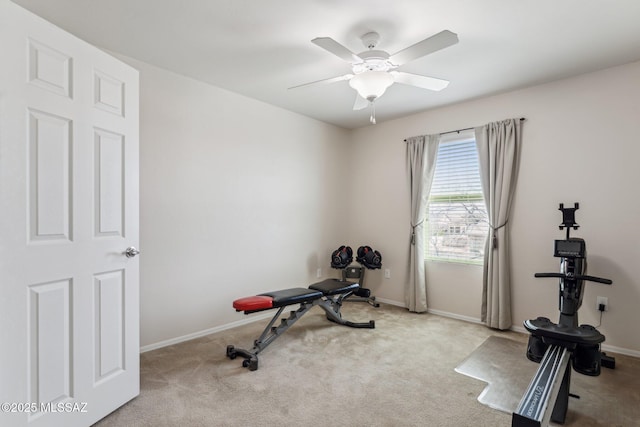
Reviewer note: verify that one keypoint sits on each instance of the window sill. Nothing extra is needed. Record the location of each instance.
(455, 261)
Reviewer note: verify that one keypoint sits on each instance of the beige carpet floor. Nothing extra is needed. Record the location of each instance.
(318, 373)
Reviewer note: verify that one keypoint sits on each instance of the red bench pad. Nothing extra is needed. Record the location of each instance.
(258, 302)
(276, 299)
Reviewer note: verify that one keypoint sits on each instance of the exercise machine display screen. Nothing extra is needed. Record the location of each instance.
(572, 248)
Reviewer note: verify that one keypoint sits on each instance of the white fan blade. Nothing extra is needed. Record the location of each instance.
(360, 103)
(325, 81)
(432, 44)
(332, 46)
(417, 80)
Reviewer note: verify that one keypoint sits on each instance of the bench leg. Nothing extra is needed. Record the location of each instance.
(269, 335)
(332, 308)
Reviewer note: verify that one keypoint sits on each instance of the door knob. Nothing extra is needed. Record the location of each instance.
(131, 252)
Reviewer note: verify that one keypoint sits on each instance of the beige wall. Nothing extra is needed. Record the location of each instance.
(580, 144)
(237, 198)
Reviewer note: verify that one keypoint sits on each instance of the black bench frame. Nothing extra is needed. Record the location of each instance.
(328, 295)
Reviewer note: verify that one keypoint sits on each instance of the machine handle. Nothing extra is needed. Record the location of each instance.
(558, 275)
(594, 279)
(577, 277)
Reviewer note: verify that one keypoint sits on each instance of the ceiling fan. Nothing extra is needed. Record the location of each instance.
(373, 71)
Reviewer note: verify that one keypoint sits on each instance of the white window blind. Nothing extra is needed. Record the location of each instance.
(457, 223)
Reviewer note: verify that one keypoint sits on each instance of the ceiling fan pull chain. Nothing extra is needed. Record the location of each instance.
(372, 119)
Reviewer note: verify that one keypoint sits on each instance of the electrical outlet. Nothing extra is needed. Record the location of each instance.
(604, 301)
(387, 273)
(319, 273)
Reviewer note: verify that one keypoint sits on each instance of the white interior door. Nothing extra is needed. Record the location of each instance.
(69, 301)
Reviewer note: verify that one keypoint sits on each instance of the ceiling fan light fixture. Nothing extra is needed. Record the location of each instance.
(371, 84)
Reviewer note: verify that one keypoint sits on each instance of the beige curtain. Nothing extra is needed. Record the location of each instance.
(421, 160)
(498, 152)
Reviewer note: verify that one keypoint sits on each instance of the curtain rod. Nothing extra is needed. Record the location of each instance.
(462, 130)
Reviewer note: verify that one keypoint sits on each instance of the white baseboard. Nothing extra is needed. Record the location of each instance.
(391, 302)
(620, 350)
(432, 311)
(183, 338)
(455, 316)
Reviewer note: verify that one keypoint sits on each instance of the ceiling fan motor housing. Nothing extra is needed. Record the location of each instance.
(370, 40)
(373, 60)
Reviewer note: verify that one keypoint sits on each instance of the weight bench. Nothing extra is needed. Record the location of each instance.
(327, 294)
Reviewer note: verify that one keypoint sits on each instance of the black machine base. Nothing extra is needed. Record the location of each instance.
(551, 332)
(608, 362)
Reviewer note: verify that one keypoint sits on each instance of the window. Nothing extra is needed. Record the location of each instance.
(457, 224)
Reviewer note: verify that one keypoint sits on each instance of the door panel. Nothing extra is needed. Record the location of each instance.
(109, 320)
(49, 176)
(49, 68)
(49, 341)
(108, 93)
(110, 183)
(69, 304)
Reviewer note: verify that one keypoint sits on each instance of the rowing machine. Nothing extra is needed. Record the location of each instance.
(560, 346)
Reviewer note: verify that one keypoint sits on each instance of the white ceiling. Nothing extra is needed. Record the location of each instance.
(259, 48)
